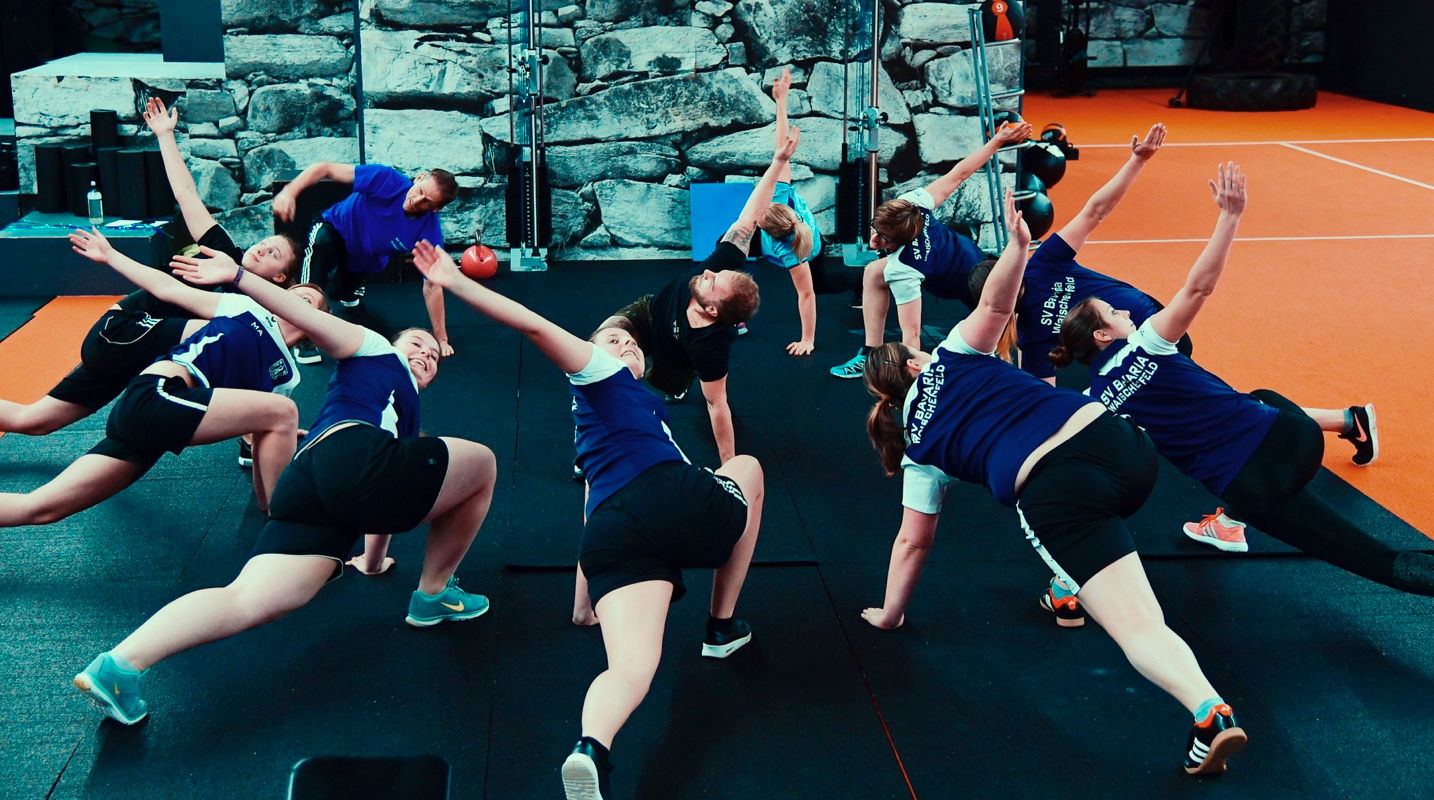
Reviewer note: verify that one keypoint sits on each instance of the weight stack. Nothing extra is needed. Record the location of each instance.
(852, 212)
(49, 179)
(132, 196)
(108, 160)
(159, 198)
(517, 197)
(77, 186)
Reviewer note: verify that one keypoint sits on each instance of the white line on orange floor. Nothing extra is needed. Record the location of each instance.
(1358, 166)
(1271, 238)
(1253, 144)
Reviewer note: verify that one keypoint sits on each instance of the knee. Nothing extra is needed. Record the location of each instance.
(747, 471)
(284, 415)
(259, 607)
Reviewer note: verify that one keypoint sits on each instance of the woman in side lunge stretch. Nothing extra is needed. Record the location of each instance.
(1258, 451)
(790, 240)
(363, 469)
(924, 253)
(1072, 470)
(650, 514)
(143, 326)
(230, 376)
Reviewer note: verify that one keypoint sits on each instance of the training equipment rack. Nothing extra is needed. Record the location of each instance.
(986, 109)
(866, 140)
(525, 130)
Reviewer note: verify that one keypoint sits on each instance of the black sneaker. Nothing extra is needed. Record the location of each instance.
(1364, 435)
(585, 773)
(306, 353)
(246, 455)
(676, 399)
(1213, 741)
(353, 303)
(724, 637)
(856, 297)
(577, 472)
(1067, 609)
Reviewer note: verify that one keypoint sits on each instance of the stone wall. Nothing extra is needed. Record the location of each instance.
(1151, 33)
(130, 26)
(644, 97)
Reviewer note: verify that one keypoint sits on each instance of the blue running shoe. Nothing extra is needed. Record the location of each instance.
(450, 605)
(852, 368)
(113, 689)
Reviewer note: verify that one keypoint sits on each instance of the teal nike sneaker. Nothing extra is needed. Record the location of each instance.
(113, 689)
(450, 605)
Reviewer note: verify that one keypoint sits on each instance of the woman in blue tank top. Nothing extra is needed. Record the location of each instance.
(1258, 451)
(362, 470)
(1072, 471)
(230, 375)
(790, 239)
(648, 515)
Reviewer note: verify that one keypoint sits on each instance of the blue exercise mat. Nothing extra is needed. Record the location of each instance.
(715, 206)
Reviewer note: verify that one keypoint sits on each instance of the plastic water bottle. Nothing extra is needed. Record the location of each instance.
(97, 209)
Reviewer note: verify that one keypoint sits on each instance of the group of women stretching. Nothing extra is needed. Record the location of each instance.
(192, 366)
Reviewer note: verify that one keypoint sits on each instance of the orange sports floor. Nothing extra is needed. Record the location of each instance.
(1328, 293)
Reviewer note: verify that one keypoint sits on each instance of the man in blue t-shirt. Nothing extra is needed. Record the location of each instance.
(386, 214)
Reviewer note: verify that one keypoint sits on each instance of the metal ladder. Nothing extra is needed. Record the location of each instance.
(986, 110)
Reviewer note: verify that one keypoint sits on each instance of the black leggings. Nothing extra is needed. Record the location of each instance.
(326, 263)
(1271, 493)
(834, 281)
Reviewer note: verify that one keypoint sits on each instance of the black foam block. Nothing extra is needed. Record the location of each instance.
(133, 200)
(104, 130)
(50, 179)
(108, 160)
(78, 177)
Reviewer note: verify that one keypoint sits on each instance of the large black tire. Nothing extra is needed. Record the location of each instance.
(1253, 35)
(1246, 91)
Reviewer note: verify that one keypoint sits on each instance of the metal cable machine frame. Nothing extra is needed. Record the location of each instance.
(986, 110)
(525, 114)
(868, 139)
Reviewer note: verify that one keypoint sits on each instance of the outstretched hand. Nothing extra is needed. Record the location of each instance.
(1143, 150)
(1015, 222)
(435, 264)
(1010, 134)
(786, 148)
(158, 118)
(781, 85)
(1228, 188)
(216, 269)
(91, 244)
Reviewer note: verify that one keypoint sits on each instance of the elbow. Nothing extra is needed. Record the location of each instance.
(913, 547)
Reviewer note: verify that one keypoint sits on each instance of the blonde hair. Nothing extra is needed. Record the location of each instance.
(898, 220)
(1006, 347)
(781, 221)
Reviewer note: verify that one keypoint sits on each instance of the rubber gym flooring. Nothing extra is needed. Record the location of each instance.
(979, 694)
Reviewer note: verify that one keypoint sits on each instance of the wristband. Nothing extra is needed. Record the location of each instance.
(238, 275)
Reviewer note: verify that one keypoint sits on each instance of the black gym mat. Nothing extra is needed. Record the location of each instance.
(16, 311)
(786, 716)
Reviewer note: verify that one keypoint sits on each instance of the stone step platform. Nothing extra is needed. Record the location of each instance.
(36, 259)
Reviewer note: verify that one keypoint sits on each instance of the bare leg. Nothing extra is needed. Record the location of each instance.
(43, 416)
(274, 421)
(633, 619)
(87, 482)
(582, 604)
(268, 587)
(727, 580)
(874, 302)
(1119, 598)
(458, 512)
(1331, 420)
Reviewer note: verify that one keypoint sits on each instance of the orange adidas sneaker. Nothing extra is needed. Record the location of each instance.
(1219, 531)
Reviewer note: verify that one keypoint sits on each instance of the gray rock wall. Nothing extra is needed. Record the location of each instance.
(644, 97)
(1166, 33)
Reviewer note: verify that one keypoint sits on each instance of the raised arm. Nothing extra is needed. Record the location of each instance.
(740, 233)
(162, 121)
(1108, 196)
(567, 351)
(286, 200)
(942, 187)
(780, 87)
(1228, 190)
(93, 245)
(339, 338)
(982, 329)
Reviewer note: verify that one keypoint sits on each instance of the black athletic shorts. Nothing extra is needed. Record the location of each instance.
(352, 482)
(1074, 503)
(155, 414)
(673, 516)
(118, 347)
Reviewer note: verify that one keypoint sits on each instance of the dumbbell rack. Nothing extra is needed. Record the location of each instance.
(986, 111)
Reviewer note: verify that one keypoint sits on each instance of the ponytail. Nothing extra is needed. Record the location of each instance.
(1006, 347)
(802, 241)
(887, 379)
(781, 221)
(1078, 335)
